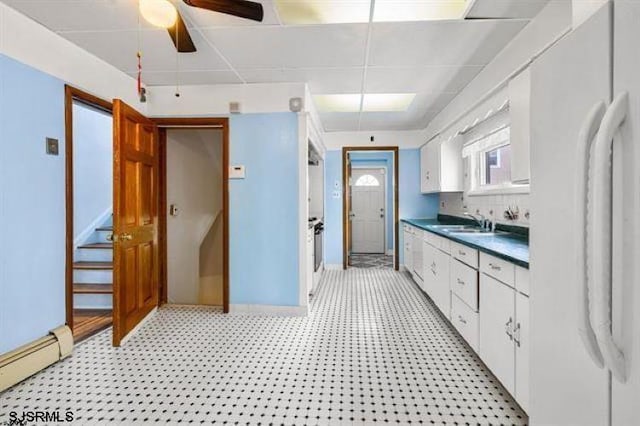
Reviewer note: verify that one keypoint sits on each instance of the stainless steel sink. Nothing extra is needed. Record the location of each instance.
(451, 227)
(475, 231)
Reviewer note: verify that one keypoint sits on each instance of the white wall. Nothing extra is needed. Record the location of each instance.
(407, 139)
(551, 22)
(583, 9)
(194, 185)
(92, 168)
(32, 44)
(213, 100)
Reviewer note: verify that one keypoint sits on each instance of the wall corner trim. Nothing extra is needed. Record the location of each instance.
(269, 310)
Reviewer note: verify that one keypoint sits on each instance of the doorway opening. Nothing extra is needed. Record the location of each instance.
(193, 219)
(194, 192)
(89, 213)
(370, 207)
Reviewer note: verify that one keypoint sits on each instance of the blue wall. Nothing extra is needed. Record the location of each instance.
(92, 166)
(32, 206)
(412, 203)
(263, 210)
(377, 160)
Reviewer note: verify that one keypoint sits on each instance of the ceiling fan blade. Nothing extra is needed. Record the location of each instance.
(181, 37)
(241, 8)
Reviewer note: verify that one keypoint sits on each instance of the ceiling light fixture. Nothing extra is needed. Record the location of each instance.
(305, 12)
(160, 13)
(338, 103)
(387, 102)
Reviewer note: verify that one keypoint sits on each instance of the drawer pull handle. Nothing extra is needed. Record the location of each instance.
(495, 267)
(434, 271)
(462, 253)
(462, 320)
(508, 328)
(460, 281)
(516, 335)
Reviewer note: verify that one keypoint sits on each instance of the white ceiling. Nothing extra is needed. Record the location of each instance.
(435, 59)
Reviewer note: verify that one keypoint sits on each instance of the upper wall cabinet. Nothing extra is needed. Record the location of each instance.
(441, 166)
(519, 97)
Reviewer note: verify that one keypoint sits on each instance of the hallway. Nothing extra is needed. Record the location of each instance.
(372, 350)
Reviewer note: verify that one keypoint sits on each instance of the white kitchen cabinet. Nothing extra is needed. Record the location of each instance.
(521, 339)
(310, 260)
(520, 113)
(464, 283)
(497, 319)
(436, 277)
(441, 167)
(465, 320)
(416, 247)
(408, 243)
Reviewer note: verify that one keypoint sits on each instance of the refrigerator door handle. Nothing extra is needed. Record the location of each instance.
(587, 134)
(600, 285)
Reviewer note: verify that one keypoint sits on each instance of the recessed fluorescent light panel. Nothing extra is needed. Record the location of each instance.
(338, 103)
(302, 12)
(418, 10)
(387, 102)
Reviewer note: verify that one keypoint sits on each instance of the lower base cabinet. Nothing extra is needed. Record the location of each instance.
(521, 338)
(465, 320)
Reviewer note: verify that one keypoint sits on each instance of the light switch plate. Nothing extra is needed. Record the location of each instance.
(52, 146)
(236, 172)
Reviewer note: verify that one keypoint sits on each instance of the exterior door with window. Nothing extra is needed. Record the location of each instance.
(368, 210)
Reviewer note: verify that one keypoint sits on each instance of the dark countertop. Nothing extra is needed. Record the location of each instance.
(509, 246)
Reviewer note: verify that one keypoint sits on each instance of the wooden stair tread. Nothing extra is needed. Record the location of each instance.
(89, 321)
(89, 288)
(105, 228)
(96, 246)
(93, 265)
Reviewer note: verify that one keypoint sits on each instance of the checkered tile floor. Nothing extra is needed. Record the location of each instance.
(367, 260)
(373, 350)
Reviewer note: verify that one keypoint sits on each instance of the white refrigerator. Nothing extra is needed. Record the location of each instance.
(585, 224)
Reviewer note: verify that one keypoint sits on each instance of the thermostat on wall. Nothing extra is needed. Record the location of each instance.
(236, 172)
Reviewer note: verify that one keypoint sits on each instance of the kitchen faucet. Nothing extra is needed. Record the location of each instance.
(482, 222)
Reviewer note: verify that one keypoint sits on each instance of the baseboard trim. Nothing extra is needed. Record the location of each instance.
(269, 310)
(334, 267)
(135, 329)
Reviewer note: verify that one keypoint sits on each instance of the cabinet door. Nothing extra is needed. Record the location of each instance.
(417, 254)
(428, 266)
(433, 166)
(521, 337)
(442, 282)
(496, 325)
(424, 165)
(310, 260)
(519, 111)
(408, 253)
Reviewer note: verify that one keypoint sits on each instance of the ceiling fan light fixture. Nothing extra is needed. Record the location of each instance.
(160, 13)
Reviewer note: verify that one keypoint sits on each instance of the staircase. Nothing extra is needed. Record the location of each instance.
(92, 283)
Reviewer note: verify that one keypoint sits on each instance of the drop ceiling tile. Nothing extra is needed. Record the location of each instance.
(419, 79)
(339, 45)
(90, 15)
(340, 121)
(440, 43)
(160, 78)
(506, 8)
(320, 80)
(158, 52)
(208, 19)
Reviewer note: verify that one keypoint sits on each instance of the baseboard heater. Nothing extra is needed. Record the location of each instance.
(27, 360)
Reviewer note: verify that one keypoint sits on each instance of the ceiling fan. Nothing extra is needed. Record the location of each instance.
(164, 14)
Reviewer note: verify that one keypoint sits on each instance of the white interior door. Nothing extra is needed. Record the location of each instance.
(367, 210)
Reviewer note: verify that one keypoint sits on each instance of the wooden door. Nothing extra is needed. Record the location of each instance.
(347, 209)
(135, 219)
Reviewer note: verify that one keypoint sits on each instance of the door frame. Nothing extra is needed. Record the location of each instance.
(168, 123)
(386, 194)
(71, 95)
(396, 197)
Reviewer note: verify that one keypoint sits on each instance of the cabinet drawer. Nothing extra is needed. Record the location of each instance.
(497, 268)
(438, 242)
(522, 280)
(465, 320)
(465, 254)
(464, 283)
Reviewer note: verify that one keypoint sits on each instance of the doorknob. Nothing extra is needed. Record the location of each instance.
(126, 237)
